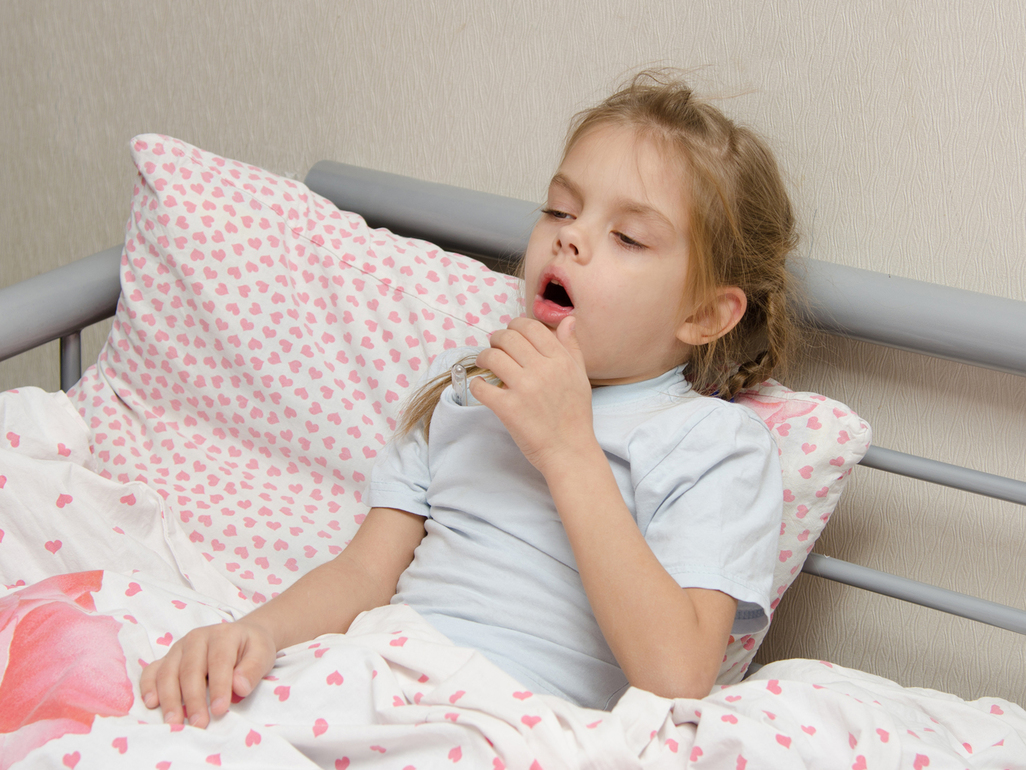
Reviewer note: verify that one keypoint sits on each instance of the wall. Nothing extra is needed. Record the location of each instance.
(902, 128)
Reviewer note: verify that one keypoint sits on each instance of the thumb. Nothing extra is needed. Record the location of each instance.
(566, 334)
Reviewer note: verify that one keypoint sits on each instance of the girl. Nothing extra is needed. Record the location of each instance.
(585, 515)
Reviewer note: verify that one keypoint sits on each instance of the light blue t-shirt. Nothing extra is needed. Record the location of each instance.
(496, 571)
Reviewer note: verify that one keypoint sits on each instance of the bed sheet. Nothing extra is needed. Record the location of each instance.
(100, 581)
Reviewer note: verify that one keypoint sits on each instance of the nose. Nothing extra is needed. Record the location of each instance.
(570, 239)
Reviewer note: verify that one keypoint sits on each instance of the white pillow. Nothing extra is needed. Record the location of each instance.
(262, 347)
(820, 441)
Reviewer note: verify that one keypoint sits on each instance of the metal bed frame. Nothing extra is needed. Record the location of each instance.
(939, 321)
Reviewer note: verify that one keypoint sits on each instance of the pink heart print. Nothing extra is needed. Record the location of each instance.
(263, 347)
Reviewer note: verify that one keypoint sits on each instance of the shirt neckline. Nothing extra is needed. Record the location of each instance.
(671, 382)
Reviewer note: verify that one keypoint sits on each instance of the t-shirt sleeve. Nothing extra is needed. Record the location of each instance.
(710, 507)
(401, 475)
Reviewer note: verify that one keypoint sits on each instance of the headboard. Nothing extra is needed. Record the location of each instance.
(910, 315)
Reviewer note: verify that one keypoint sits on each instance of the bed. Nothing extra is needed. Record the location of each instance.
(265, 334)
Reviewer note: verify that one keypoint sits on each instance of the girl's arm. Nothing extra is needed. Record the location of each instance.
(667, 639)
(235, 656)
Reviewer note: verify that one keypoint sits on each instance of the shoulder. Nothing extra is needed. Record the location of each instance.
(719, 414)
(692, 417)
(696, 434)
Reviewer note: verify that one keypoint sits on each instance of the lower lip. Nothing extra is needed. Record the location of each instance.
(548, 312)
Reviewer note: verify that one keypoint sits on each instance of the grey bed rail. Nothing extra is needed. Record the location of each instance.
(58, 305)
(921, 317)
(924, 318)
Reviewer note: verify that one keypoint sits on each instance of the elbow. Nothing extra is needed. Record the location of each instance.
(682, 683)
(691, 689)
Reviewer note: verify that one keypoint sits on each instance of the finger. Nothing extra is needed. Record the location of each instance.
(257, 659)
(169, 694)
(538, 334)
(500, 363)
(566, 335)
(221, 658)
(148, 684)
(522, 341)
(514, 344)
(486, 393)
(192, 677)
(242, 685)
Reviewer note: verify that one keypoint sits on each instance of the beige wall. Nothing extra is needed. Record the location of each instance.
(902, 126)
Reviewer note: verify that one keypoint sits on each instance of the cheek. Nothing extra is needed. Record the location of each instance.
(531, 270)
(623, 299)
(539, 244)
(656, 310)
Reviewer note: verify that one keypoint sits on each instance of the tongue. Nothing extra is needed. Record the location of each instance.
(548, 310)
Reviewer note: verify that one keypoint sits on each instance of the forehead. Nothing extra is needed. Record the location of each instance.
(635, 169)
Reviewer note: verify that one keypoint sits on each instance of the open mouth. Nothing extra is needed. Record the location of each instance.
(554, 292)
(553, 303)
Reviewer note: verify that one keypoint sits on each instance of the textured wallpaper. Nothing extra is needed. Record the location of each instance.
(901, 126)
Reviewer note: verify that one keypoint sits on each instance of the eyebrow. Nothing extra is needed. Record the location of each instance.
(625, 205)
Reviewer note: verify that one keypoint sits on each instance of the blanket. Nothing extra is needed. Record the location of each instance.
(100, 580)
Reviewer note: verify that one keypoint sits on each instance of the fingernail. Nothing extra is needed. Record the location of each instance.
(169, 717)
(150, 699)
(218, 706)
(195, 719)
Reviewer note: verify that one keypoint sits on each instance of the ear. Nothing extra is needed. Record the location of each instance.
(714, 319)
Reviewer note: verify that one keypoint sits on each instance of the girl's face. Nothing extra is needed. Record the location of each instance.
(611, 249)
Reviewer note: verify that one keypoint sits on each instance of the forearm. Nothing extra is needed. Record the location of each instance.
(362, 577)
(233, 657)
(666, 639)
(325, 600)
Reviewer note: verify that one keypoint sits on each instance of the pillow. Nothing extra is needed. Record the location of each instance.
(262, 348)
(819, 441)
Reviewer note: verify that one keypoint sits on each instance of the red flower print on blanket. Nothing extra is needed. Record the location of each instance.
(62, 666)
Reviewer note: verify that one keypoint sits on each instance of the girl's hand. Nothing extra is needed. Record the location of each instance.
(230, 657)
(545, 397)
(235, 656)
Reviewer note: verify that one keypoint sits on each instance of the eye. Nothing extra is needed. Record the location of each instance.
(629, 242)
(556, 214)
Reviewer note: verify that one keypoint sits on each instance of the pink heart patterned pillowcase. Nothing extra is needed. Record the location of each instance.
(820, 441)
(261, 350)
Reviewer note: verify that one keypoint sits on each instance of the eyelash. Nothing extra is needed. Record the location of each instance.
(629, 242)
(555, 213)
(625, 240)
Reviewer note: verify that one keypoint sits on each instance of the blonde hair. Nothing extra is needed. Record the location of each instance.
(741, 229)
